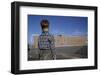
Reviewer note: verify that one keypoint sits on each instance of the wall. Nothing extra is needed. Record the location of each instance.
(5, 38)
(61, 41)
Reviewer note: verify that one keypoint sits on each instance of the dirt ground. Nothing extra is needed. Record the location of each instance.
(69, 52)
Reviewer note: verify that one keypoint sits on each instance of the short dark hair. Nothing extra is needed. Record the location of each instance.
(44, 23)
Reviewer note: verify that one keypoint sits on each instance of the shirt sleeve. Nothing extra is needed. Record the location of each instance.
(52, 42)
(39, 43)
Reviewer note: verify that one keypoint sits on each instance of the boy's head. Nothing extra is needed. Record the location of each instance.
(45, 25)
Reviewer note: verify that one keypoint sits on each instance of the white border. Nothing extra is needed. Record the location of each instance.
(26, 65)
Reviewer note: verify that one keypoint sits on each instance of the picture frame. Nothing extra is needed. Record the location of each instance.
(18, 24)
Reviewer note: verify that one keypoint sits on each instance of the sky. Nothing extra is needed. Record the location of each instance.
(59, 25)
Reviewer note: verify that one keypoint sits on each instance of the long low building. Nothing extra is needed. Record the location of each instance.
(61, 41)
